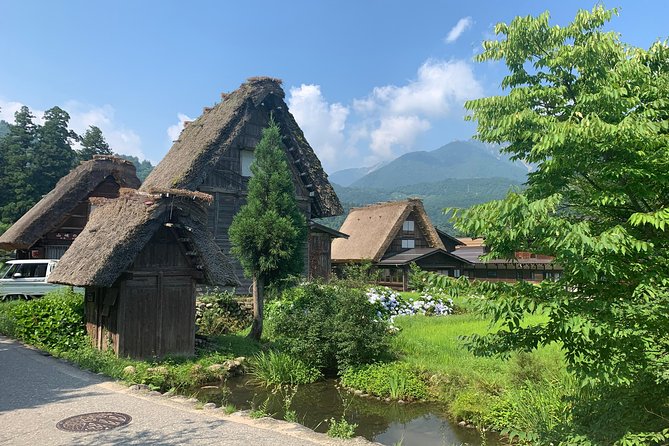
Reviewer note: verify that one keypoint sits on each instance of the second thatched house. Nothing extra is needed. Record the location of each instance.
(139, 259)
(50, 227)
(213, 155)
(395, 234)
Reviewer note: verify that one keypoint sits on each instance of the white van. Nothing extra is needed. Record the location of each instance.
(26, 279)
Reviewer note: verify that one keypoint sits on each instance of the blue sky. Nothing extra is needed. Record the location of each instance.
(366, 80)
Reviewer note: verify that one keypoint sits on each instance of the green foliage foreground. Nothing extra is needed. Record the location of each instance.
(329, 327)
(592, 113)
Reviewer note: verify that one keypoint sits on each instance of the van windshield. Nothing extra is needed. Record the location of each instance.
(26, 270)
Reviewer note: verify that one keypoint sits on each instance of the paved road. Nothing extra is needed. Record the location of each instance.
(37, 391)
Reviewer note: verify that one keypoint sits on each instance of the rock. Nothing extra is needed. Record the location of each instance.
(387, 400)
(192, 400)
(462, 423)
(155, 393)
(139, 387)
(400, 401)
(209, 406)
(357, 392)
(470, 426)
(365, 395)
(129, 370)
(215, 367)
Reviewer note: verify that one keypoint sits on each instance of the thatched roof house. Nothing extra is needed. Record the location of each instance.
(66, 207)
(234, 123)
(140, 257)
(377, 230)
(119, 229)
(214, 152)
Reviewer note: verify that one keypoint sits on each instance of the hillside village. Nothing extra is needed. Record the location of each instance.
(508, 289)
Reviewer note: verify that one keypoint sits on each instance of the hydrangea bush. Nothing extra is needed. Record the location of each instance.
(390, 303)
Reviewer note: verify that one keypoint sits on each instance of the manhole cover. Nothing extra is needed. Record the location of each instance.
(92, 422)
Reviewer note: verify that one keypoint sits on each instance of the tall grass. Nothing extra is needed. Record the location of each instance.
(474, 387)
(275, 368)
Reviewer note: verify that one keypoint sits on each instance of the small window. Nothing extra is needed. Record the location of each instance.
(456, 273)
(246, 158)
(491, 273)
(408, 244)
(408, 226)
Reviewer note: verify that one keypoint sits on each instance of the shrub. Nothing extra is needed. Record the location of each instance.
(273, 368)
(341, 428)
(55, 321)
(391, 380)
(391, 303)
(220, 313)
(327, 326)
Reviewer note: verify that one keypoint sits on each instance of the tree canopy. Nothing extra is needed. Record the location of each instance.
(593, 114)
(268, 232)
(93, 143)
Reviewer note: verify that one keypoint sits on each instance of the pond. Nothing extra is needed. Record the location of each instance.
(424, 424)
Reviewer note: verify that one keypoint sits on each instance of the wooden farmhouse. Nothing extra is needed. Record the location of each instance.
(213, 155)
(394, 235)
(139, 259)
(49, 228)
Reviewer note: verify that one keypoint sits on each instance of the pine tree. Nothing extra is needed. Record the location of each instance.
(269, 231)
(93, 143)
(53, 157)
(17, 149)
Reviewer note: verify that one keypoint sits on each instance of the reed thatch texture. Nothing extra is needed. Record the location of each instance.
(51, 210)
(371, 230)
(120, 228)
(203, 143)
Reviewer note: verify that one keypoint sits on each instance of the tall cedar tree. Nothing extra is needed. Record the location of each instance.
(269, 231)
(53, 157)
(17, 148)
(93, 143)
(592, 113)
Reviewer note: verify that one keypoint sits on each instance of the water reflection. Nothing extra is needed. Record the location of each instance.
(387, 423)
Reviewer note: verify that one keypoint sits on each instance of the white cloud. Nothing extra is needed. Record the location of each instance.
(396, 131)
(323, 123)
(174, 131)
(460, 27)
(9, 108)
(440, 87)
(120, 138)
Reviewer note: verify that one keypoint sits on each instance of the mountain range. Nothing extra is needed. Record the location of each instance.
(459, 174)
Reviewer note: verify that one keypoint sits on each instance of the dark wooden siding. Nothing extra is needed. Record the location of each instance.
(416, 235)
(319, 255)
(150, 312)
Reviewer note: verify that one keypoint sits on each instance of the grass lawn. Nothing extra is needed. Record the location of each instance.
(469, 384)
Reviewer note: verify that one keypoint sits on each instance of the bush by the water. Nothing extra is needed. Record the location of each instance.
(275, 368)
(394, 380)
(220, 313)
(55, 321)
(327, 326)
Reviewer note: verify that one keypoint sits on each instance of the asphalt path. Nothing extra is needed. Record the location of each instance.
(37, 391)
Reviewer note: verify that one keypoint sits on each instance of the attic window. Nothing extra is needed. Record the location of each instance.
(408, 226)
(408, 244)
(246, 157)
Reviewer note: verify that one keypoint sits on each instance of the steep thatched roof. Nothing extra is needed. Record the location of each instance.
(120, 228)
(51, 210)
(372, 228)
(204, 141)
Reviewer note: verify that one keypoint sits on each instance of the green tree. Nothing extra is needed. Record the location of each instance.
(93, 143)
(269, 231)
(593, 114)
(17, 193)
(53, 156)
